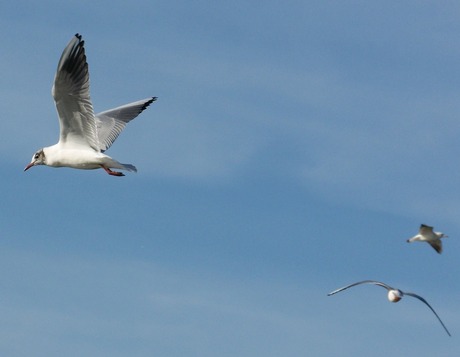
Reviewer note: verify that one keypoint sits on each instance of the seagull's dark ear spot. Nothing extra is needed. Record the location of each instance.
(38, 154)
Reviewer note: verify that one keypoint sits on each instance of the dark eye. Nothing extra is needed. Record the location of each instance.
(36, 156)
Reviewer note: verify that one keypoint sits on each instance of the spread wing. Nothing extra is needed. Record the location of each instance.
(426, 303)
(437, 245)
(359, 283)
(424, 229)
(71, 94)
(112, 122)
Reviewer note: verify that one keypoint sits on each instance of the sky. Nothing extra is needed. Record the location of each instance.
(293, 149)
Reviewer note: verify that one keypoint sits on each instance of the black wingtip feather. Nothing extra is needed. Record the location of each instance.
(147, 103)
(80, 41)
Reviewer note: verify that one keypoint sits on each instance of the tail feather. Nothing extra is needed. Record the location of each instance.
(128, 167)
(114, 164)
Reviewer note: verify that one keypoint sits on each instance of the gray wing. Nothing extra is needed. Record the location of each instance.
(359, 283)
(437, 245)
(424, 229)
(434, 312)
(112, 122)
(71, 94)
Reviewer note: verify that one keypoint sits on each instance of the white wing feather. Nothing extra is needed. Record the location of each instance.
(71, 94)
(111, 123)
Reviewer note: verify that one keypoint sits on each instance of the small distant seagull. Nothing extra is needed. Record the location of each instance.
(394, 295)
(426, 234)
(84, 136)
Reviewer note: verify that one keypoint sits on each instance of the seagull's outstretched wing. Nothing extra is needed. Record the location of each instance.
(437, 245)
(424, 229)
(111, 123)
(71, 94)
(359, 283)
(426, 302)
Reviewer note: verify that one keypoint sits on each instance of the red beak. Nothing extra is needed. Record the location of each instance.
(29, 166)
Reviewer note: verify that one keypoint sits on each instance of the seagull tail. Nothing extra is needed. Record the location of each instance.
(128, 167)
(114, 164)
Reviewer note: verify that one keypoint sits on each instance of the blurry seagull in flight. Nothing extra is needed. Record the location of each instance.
(394, 295)
(84, 136)
(426, 234)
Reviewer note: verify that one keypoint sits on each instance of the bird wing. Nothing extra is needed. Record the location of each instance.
(434, 312)
(424, 229)
(359, 283)
(71, 95)
(111, 123)
(437, 245)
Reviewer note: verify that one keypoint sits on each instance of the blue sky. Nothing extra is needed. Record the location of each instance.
(293, 149)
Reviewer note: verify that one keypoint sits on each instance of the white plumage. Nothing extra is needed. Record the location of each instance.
(394, 295)
(426, 234)
(84, 136)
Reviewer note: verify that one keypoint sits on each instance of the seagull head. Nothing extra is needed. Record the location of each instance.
(37, 159)
(395, 295)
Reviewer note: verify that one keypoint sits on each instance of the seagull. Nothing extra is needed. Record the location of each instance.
(394, 295)
(426, 234)
(84, 136)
